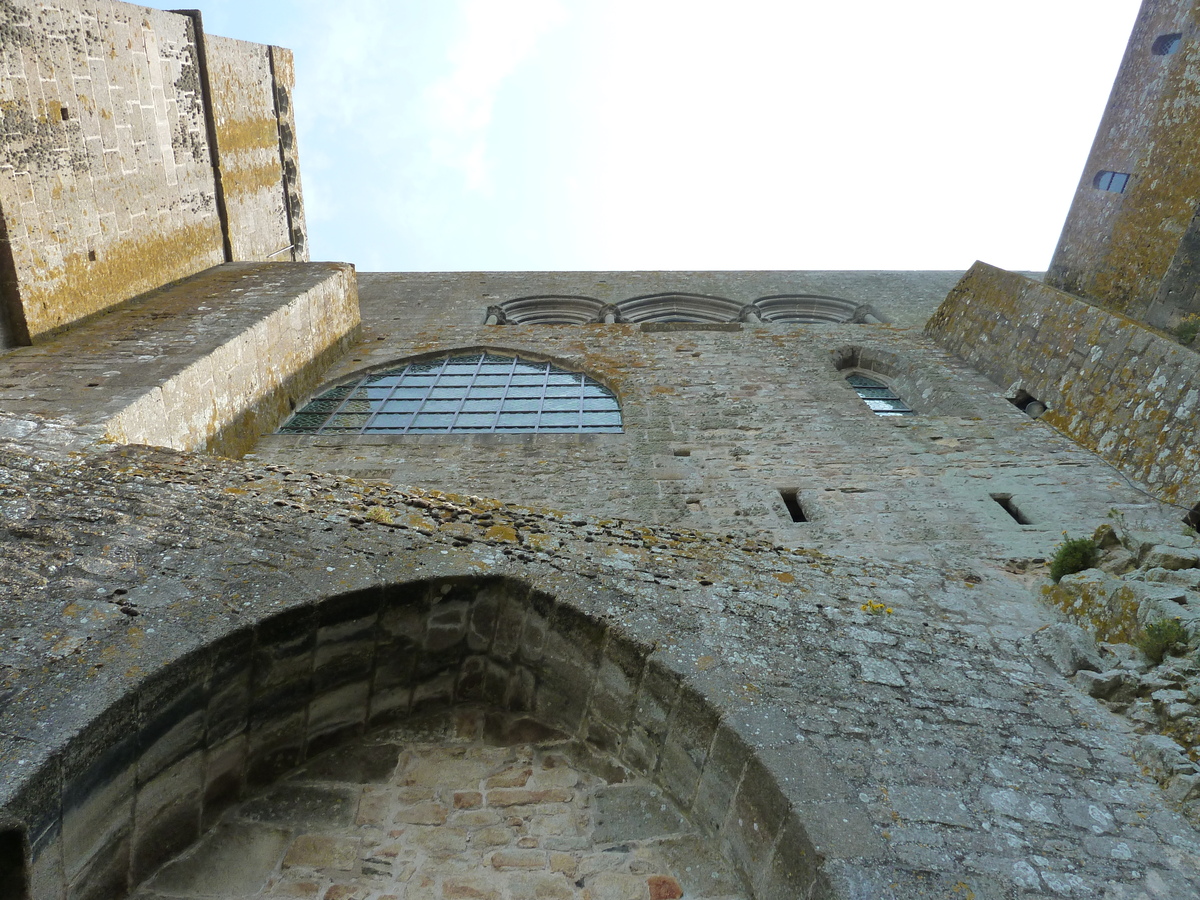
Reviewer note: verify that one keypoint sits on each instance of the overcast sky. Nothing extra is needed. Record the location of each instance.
(688, 134)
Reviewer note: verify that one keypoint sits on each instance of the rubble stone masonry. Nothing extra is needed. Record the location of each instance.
(1109, 383)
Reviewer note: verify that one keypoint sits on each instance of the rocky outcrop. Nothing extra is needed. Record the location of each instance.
(1118, 645)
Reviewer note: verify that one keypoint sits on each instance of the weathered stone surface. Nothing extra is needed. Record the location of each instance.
(1102, 685)
(234, 859)
(391, 851)
(749, 415)
(131, 163)
(1066, 351)
(1172, 558)
(202, 363)
(1069, 648)
(1134, 248)
(965, 710)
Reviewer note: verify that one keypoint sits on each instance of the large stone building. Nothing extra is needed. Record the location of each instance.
(647, 585)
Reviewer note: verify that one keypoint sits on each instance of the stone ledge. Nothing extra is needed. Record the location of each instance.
(178, 366)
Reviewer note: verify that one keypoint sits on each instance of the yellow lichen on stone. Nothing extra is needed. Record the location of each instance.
(503, 533)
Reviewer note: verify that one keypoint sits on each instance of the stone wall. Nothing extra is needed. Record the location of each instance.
(1110, 384)
(283, 70)
(1136, 251)
(107, 180)
(251, 707)
(249, 167)
(839, 727)
(719, 422)
(106, 184)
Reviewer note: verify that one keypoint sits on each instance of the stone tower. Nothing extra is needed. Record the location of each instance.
(1132, 239)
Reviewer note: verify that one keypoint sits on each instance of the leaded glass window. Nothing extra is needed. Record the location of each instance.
(480, 393)
(882, 400)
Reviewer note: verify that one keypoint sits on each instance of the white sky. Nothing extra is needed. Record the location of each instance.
(690, 134)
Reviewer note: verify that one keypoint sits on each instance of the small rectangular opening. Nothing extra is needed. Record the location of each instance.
(792, 502)
(14, 884)
(1006, 504)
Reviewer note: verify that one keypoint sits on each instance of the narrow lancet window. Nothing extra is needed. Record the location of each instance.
(882, 400)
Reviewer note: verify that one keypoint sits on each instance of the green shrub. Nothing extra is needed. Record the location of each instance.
(1187, 329)
(1160, 638)
(1071, 556)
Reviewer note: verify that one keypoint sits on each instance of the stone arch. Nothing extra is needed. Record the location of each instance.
(533, 355)
(885, 367)
(679, 307)
(787, 308)
(928, 389)
(143, 779)
(550, 309)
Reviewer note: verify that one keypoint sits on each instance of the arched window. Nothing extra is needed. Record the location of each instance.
(882, 400)
(481, 392)
(1166, 44)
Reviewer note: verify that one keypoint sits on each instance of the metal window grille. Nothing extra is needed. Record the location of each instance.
(476, 393)
(882, 400)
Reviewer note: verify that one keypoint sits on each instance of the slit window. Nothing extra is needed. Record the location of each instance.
(1166, 44)
(1005, 502)
(1113, 182)
(14, 884)
(881, 399)
(792, 501)
(482, 392)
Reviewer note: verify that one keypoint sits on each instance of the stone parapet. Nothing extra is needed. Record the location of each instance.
(1109, 383)
(136, 150)
(199, 364)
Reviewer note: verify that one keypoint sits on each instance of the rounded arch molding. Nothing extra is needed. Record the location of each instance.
(143, 778)
(532, 355)
(925, 383)
(563, 309)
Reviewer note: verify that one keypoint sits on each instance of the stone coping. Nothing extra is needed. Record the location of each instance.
(179, 365)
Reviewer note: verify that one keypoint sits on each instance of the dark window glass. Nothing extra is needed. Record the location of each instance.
(481, 392)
